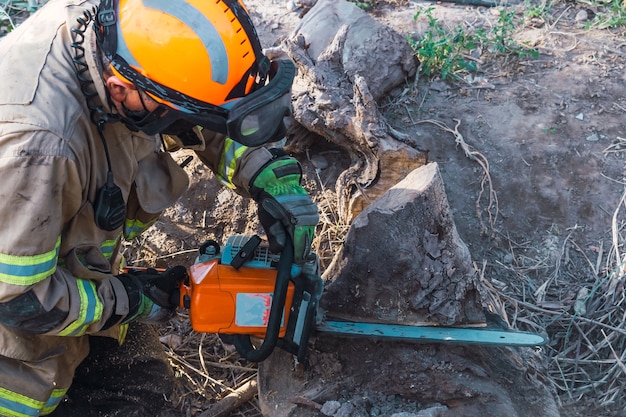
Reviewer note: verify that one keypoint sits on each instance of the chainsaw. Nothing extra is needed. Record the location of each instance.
(241, 291)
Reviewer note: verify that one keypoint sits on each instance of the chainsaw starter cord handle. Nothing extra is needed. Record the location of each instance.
(243, 343)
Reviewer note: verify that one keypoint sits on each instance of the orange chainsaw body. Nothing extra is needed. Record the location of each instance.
(222, 299)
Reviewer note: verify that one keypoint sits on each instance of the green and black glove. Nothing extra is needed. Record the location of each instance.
(285, 206)
(152, 295)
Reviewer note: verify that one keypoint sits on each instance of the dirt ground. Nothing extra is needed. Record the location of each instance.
(551, 128)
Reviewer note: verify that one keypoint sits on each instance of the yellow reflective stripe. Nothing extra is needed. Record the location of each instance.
(228, 163)
(107, 247)
(134, 227)
(55, 400)
(13, 404)
(223, 172)
(90, 309)
(28, 270)
(121, 337)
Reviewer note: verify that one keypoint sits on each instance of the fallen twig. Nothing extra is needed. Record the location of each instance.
(232, 401)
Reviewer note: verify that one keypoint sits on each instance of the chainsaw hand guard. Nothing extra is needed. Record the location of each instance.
(242, 342)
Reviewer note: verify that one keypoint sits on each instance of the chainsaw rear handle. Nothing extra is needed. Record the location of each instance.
(242, 343)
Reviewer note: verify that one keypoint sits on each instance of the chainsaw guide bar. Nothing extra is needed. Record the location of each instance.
(431, 334)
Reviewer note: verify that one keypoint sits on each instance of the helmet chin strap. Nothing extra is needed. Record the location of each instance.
(133, 118)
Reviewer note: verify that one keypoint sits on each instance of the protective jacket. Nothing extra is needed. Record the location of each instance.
(57, 282)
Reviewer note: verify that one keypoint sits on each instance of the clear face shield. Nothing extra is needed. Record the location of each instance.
(253, 120)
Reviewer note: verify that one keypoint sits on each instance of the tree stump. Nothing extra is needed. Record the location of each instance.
(404, 262)
(346, 62)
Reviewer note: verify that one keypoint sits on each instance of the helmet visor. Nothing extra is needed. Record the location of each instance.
(258, 117)
(254, 119)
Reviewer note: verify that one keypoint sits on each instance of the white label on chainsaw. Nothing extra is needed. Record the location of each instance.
(253, 309)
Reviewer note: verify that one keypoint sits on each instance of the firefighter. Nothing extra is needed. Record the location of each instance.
(94, 97)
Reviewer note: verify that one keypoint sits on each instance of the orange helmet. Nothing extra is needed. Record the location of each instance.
(181, 52)
(202, 61)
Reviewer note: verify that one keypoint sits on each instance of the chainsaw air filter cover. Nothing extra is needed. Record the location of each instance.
(228, 300)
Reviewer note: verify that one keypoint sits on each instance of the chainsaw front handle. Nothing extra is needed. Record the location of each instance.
(242, 343)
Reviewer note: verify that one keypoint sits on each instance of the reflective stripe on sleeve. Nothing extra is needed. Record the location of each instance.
(13, 404)
(28, 270)
(90, 309)
(226, 168)
(54, 401)
(107, 247)
(121, 337)
(134, 227)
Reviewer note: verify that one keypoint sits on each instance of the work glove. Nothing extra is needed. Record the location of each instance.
(152, 296)
(284, 206)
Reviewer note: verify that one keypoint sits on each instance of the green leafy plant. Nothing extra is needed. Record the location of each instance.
(536, 10)
(440, 51)
(502, 37)
(446, 52)
(366, 5)
(502, 31)
(609, 15)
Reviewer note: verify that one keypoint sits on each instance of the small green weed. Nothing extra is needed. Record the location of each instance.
(502, 31)
(609, 15)
(532, 10)
(502, 37)
(440, 51)
(446, 52)
(364, 5)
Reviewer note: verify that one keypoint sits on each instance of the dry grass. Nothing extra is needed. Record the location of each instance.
(331, 231)
(208, 370)
(575, 296)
